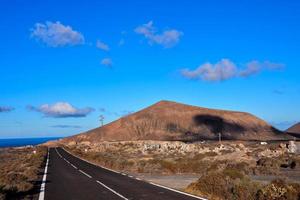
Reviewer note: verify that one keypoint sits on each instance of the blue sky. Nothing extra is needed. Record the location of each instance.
(64, 63)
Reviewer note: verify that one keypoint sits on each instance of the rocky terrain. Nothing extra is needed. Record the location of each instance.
(177, 157)
(169, 121)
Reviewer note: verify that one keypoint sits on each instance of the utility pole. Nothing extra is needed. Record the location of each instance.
(101, 119)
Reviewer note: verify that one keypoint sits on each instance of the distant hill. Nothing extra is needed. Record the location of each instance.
(168, 120)
(294, 130)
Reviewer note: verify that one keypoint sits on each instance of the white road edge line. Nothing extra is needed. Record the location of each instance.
(187, 194)
(112, 190)
(85, 174)
(43, 185)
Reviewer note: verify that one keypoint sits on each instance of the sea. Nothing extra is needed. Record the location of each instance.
(18, 142)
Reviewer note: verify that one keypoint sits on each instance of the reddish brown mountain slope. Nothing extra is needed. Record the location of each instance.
(294, 129)
(167, 120)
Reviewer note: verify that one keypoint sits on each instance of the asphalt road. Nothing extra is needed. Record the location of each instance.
(69, 177)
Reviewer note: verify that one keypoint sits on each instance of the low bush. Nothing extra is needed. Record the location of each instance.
(231, 184)
(279, 190)
(227, 184)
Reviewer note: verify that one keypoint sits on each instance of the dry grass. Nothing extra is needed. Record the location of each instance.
(19, 168)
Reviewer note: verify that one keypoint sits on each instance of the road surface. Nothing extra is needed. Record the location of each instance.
(69, 177)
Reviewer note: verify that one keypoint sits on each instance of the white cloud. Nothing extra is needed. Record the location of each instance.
(226, 69)
(167, 38)
(107, 62)
(102, 45)
(222, 70)
(55, 34)
(61, 110)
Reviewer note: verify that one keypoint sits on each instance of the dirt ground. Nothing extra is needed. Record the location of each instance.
(179, 182)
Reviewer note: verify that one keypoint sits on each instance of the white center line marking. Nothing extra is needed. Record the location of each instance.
(43, 185)
(58, 152)
(90, 162)
(112, 190)
(85, 174)
(74, 166)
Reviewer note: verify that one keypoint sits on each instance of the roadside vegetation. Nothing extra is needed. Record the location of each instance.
(19, 171)
(231, 184)
(227, 171)
(153, 164)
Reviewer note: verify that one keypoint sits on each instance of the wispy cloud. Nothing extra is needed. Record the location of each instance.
(55, 34)
(6, 109)
(101, 45)
(61, 110)
(278, 91)
(168, 38)
(102, 110)
(107, 62)
(121, 42)
(226, 69)
(126, 112)
(255, 67)
(122, 113)
(65, 126)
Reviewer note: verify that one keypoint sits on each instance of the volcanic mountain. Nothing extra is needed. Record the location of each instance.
(168, 120)
(294, 130)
